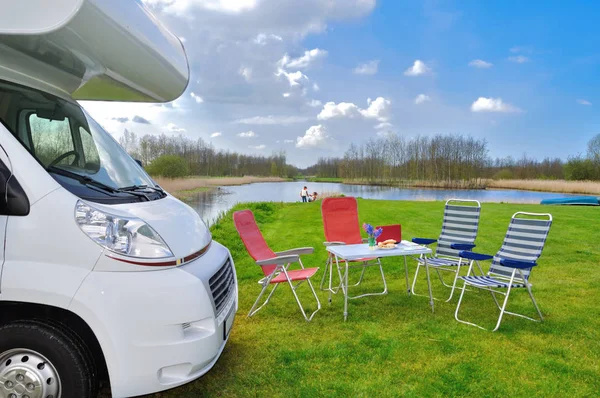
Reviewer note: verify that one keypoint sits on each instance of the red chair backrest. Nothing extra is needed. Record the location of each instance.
(255, 244)
(393, 231)
(340, 220)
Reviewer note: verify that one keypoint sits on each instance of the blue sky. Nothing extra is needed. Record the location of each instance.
(273, 75)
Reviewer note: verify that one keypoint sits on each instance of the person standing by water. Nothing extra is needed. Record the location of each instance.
(304, 194)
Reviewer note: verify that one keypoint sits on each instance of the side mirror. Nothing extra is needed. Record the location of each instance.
(139, 162)
(13, 200)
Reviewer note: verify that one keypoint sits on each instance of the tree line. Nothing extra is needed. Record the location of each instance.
(439, 158)
(200, 157)
(448, 158)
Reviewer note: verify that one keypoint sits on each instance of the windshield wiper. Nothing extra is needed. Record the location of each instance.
(141, 187)
(81, 178)
(90, 181)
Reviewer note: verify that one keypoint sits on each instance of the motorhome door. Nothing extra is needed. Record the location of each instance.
(5, 173)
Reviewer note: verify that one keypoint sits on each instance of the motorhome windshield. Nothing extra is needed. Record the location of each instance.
(73, 148)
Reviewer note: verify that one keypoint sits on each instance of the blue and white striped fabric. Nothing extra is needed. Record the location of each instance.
(460, 225)
(524, 241)
(486, 281)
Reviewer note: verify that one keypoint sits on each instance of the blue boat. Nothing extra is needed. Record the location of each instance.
(573, 200)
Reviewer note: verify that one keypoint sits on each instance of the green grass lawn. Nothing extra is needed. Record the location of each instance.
(393, 345)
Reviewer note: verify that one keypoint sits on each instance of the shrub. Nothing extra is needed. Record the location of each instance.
(504, 174)
(170, 166)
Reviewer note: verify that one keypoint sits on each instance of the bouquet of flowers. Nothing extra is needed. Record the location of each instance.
(372, 233)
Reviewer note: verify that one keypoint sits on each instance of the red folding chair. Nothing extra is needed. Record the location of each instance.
(393, 231)
(273, 264)
(341, 226)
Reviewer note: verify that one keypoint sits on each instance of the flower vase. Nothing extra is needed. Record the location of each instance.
(372, 243)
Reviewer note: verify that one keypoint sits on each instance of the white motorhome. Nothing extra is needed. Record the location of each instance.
(103, 275)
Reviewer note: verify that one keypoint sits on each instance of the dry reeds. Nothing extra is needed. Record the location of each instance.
(186, 184)
(562, 186)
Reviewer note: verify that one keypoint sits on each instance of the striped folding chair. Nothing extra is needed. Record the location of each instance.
(274, 265)
(459, 230)
(512, 264)
(341, 227)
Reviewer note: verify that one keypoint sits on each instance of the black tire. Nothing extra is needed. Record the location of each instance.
(76, 373)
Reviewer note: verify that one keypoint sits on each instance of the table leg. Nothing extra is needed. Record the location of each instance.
(346, 293)
(406, 272)
(429, 284)
(330, 275)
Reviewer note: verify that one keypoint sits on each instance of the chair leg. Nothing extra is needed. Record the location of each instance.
(325, 272)
(534, 303)
(512, 277)
(308, 319)
(415, 279)
(462, 293)
(264, 289)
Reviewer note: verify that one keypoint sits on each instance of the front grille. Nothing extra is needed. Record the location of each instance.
(221, 285)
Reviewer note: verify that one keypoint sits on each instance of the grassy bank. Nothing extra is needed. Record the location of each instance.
(183, 188)
(393, 345)
(559, 186)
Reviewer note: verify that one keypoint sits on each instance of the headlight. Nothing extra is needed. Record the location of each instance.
(128, 236)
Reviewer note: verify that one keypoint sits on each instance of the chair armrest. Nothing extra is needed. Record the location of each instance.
(334, 243)
(423, 241)
(517, 264)
(462, 246)
(298, 251)
(474, 256)
(279, 260)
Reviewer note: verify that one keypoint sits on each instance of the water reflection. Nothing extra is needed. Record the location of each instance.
(210, 204)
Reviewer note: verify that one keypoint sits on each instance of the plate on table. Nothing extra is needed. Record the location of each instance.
(389, 247)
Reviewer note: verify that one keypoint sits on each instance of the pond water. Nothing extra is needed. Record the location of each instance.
(210, 204)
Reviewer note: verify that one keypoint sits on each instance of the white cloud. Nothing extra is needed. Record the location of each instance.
(259, 147)
(419, 68)
(247, 134)
(182, 7)
(369, 68)
(174, 128)
(314, 137)
(331, 110)
(288, 141)
(286, 95)
(478, 63)
(294, 78)
(519, 59)
(314, 103)
(309, 58)
(422, 98)
(584, 102)
(246, 73)
(316, 87)
(271, 120)
(493, 105)
(216, 134)
(263, 38)
(196, 97)
(377, 109)
(384, 125)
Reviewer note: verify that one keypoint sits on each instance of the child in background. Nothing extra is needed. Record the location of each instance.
(312, 197)
(304, 194)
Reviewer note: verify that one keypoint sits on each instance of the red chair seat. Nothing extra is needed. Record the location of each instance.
(295, 275)
(360, 260)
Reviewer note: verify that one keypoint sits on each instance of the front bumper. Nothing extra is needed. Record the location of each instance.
(159, 329)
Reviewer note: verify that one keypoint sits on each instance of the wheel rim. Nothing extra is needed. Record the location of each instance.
(26, 373)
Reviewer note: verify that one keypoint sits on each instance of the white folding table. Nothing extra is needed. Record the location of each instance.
(360, 251)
